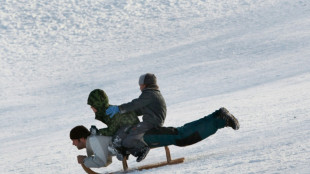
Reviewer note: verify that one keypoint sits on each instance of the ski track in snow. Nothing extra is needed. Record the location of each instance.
(250, 56)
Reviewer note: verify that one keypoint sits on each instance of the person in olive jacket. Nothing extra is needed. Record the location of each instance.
(152, 106)
(99, 102)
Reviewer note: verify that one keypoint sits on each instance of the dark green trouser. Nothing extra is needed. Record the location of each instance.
(185, 135)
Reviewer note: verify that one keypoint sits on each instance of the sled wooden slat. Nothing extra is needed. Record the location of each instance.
(88, 170)
(125, 165)
(168, 162)
(149, 166)
(168, 154)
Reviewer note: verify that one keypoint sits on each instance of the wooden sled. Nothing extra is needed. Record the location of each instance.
(149, 166)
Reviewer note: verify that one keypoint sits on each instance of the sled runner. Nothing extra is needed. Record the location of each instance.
(149, 166)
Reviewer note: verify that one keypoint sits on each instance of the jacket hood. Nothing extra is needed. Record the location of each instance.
(152, 86)
(99, 100)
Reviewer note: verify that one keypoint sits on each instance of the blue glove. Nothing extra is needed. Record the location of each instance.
(112, 110)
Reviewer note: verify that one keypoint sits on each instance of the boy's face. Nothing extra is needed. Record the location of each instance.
(94, 109)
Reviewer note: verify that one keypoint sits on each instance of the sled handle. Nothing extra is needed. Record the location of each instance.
(88, 170)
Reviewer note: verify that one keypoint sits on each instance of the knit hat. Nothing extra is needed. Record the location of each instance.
(79, 132)
(147, 79)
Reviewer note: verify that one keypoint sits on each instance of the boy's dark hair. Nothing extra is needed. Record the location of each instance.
(79, 132)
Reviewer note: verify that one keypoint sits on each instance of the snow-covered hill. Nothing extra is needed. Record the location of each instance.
(251, 56)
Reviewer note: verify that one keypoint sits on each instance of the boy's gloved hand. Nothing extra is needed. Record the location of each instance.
(112, 110)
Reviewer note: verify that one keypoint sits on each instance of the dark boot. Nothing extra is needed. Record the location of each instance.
(117, 152)
(142, 153)
(116, 149)
(231, 121)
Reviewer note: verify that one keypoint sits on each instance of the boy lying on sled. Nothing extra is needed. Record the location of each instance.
(98, 154)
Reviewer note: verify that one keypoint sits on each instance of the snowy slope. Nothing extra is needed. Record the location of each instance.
(251, 56)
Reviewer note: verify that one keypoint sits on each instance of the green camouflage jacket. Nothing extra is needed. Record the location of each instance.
(100, 101)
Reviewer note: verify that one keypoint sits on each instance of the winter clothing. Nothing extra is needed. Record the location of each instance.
(134, 140)
(112, 110)
(100, 101)
(185, 135)
(188, 134)
(153, 108)
(231, 121)
(150, 104)
(97, 151)
(142, 153)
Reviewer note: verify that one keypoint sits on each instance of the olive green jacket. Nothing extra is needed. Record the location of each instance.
(100, 101)
(117, 122)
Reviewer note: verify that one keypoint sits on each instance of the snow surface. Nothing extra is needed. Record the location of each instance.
(251, 56)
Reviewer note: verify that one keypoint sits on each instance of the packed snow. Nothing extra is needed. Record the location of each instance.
(250, 56)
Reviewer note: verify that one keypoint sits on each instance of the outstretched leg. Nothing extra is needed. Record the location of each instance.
(192, 132)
